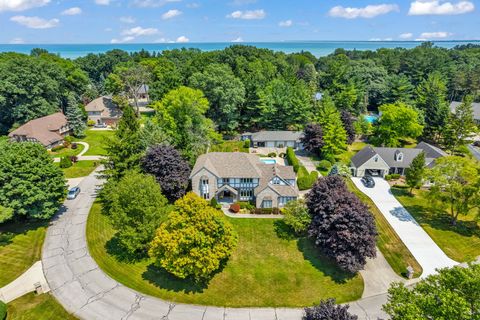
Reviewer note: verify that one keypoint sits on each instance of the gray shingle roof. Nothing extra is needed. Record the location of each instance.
(363, 156)
(388, 155)
(431, 151)
(277, 136)
(475, 106)
(229, 164)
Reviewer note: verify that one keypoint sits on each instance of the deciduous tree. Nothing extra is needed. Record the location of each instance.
(312, 139)
(347, 121)
(297, 216)
(461, 126)
(194, 241)
(328, 310)
(334, 134)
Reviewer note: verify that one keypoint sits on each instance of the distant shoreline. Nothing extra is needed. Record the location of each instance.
(317, 48)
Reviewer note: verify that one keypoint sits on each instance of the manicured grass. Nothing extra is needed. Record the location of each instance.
(460, 242)
(229, 146)
(394, 250)
(268, 268)
(67, 152)
(80, 169)
(351, 151)
(97, 139)
(37, 307)
(20, 247)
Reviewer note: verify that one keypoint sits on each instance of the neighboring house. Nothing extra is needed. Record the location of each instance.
(49, 130)
(236, 176)
(475, 107)
(274, 139)
(103, 110)
(382, 161)
(143, 92)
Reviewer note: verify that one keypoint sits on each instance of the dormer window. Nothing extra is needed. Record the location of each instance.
(375, 159)
(398, 156)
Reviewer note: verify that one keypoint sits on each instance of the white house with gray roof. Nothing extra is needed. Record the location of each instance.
(274, 139)
(382, 161)
(236, 176)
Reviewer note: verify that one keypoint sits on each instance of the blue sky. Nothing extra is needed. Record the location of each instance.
(149, 21)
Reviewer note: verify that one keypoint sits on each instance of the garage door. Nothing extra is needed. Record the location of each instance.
(374, 172)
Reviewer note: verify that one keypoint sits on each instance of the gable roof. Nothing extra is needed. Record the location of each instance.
(229, 165)
(277, 136)
(475, 106)
(389, 156)
(43, 129)
(104, 105)
(431, 151)
(363, 156)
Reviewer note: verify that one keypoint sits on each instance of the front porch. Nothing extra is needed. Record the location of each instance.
(226, 195)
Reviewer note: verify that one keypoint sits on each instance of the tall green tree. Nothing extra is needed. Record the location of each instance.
(285, 105)
(455, 185)
(461, 126)
(31, 185)
(181, 114)
(334, 134)
(224, 91)
(431, 100)
(75, 117)
(125, 149)
(398, 88)
(415, 173)
(453, 293)
(398, 121)
(136, 209)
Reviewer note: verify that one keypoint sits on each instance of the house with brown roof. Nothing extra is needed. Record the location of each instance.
(103, 111)
(236, 176)
(49, 130)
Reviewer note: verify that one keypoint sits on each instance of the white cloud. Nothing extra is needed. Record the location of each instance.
(437, 7)
(139, 31)
(17, 41)
(161, 40)
(248, 14)
(128, 20)
(171, 14)
(193, 5)
(433, 35)
(102, 2)
(369, 11)
(406, 35)
(72, 11)
(20, 5)
(35, 22)
(182, 39)
(286, 23)
(123, 40)
(152, 3)
(239, 39)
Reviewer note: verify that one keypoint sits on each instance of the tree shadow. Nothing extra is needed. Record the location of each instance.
(115, 248)
(321, 262)
(284, 231)
(9, 230)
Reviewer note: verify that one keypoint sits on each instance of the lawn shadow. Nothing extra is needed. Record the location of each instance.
(115, 248)
(162, 279)
(10, 230)
(284, 231)
(321, 262)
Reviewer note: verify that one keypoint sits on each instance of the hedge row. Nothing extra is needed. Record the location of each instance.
(306, 180)
(292, 159)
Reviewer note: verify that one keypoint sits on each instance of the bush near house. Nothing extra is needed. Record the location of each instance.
(324, 165)
(272, 155)
(292, 159)
(3, 310)
(306, 180)
(235, 208)
(393, 176)
(214, 203)
(65, 162)
(245, 205)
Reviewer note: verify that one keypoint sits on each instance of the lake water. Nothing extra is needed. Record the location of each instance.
(318, 48)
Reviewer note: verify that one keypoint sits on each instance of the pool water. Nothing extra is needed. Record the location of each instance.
(371, 118)
(269, 161)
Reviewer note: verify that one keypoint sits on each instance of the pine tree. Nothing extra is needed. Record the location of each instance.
(461, 126)
(75, 117)
(414, 174)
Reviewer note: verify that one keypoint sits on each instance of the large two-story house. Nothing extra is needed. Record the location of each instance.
(103, 111)
(235, 176)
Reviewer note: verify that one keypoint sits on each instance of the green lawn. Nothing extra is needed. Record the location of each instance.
(229, 146)
(67, 152)
(267, 269)
(37, 307)
(80, 169)
(20, 246)
(394, 250)
(460, 242)
(351, 151)
(97, 139)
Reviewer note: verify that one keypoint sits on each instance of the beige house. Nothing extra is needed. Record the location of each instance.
(103, 111)
(236, 176)
(49, 130)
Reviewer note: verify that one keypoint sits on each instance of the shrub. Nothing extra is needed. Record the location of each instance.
(393, 176)
(65, 162)
(235, 208)
(214, 203)
(328, 310)
(195, 240)
(281, 155)
(246, 144)
(68, 139)
(324, 165)
(297, 216)
(3, 310)
(272, 155)
(74, 146)
(339, 169)
(74, 159)
(246, 205)
(306, 182)
(266, 211)
(91, 123)
(292, 159)
(57, 148)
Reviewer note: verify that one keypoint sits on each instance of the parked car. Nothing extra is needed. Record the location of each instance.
(476, 143)
(100, 125)
(368, 182)
(73, 193)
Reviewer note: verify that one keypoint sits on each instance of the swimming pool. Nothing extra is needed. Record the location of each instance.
(371, 118)
(268, 161)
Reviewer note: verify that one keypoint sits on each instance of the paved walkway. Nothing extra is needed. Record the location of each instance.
(475, 151)
(303, 157)
(25, 283)
(85, 149)
(423, 248)
(87, 292)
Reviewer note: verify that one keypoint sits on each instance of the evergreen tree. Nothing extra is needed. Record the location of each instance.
(75, 117)
(461, 126)
(414, 174)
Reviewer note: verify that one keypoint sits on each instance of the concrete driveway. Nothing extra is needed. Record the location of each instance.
(423, 248)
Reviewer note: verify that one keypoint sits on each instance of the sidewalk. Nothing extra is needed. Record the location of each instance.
(25, 283)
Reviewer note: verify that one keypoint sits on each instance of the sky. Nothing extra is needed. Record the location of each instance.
(182, 21)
